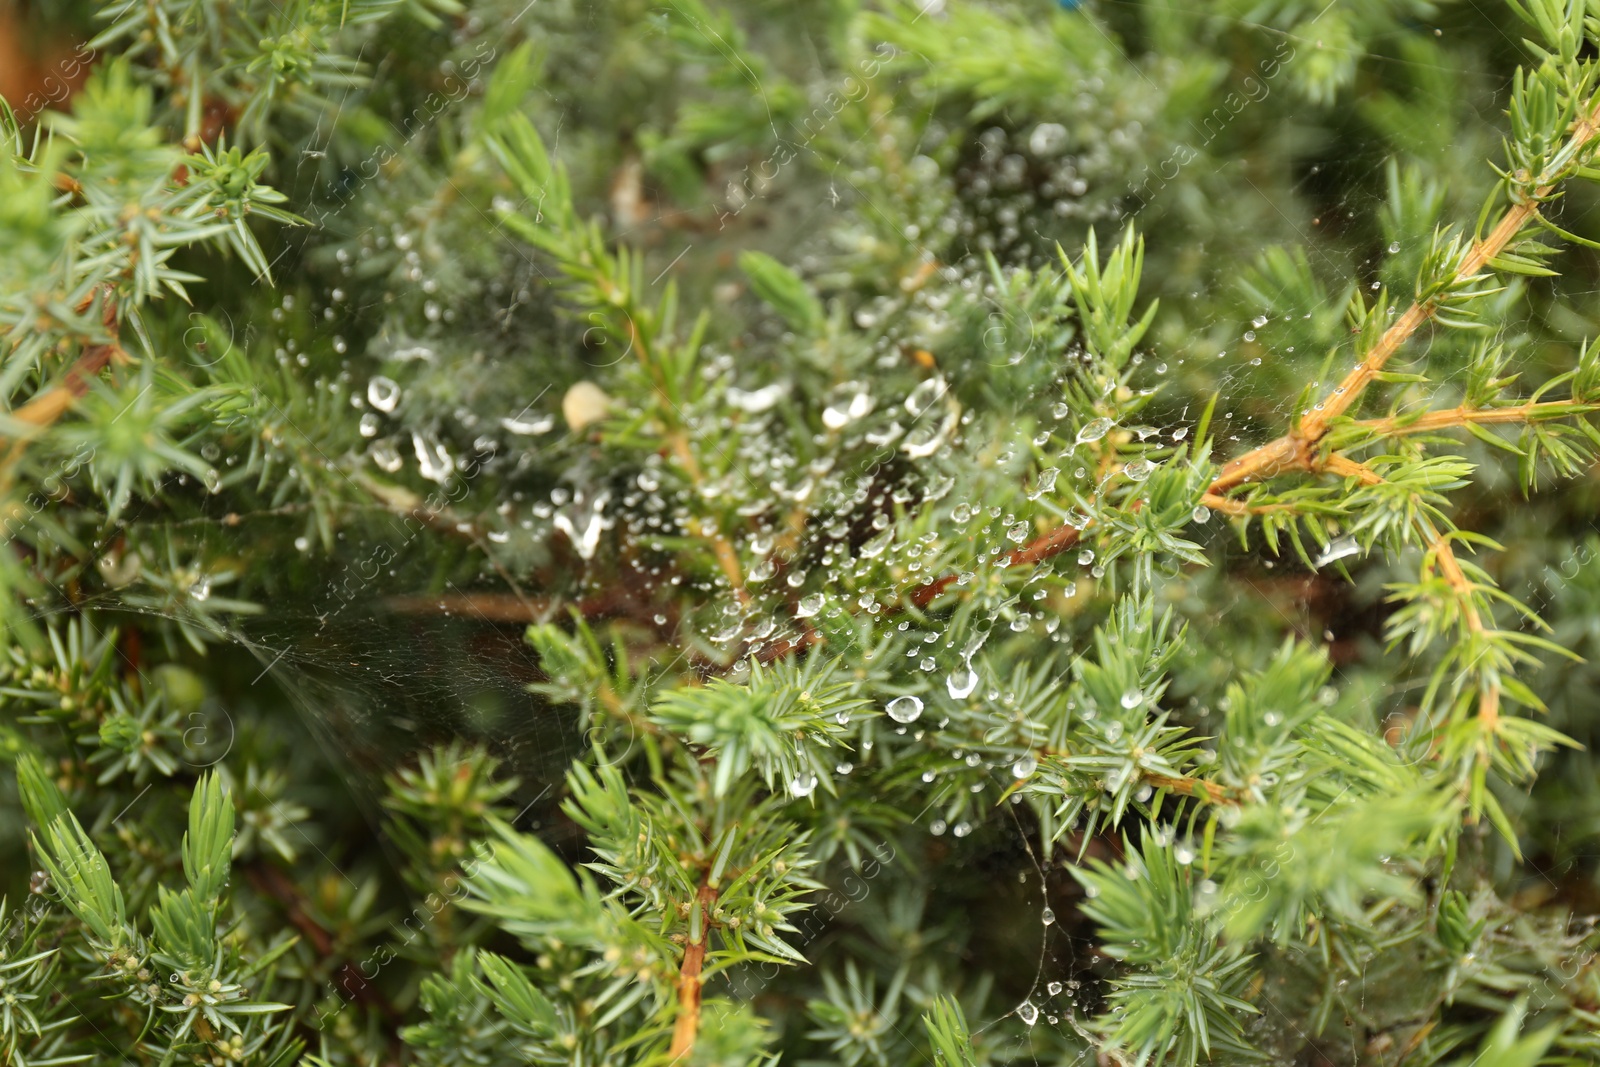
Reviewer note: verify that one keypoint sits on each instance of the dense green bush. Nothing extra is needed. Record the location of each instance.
(612, 532)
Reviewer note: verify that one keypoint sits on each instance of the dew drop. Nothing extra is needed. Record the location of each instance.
(847, 403)
(386, 456)
(1337, 549)
(809, 606)
(925, 395)
(904, 709)
(1028, 1013)
(1132, 698)
(962, 682)
(383, 393)
(1047, 139)
(528, 424)
(1024, 767)
(1093, 431)
(802, 785)
(1046, 483)
(433, 460)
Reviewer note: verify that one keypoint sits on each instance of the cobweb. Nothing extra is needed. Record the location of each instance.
(404, 662)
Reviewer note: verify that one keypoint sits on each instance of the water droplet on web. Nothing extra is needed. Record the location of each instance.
(433, 460)
(1132, 698)
(1337, 549)
(1028, 1013)
(809, 606)
(802, 785)
(369, 425)
(1054, 989)
(383, 393)
(1018, 533)
(925, 395)
(755, 401)
(1249, 335)
(1093, 431)
(1024, 766)
(1046, 483)
(962, 829)
(528, 424)
(212, 480)
(1113, 734)
(1047, 917)
(1139, 470)
(386, 456)
(1086, 557)
(937, 827)
(1259, 321)
(1047, 139)
(847, 403)
(1201, 514)
(904, 709)
(1394, 247)
(926, 438)
(303, 544)
(962, 682)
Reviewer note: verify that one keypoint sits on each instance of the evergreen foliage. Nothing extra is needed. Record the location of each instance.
(608, 532)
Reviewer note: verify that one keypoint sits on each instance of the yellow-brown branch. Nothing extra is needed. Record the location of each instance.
(1450, 418)
(686, 1027)
(1199, 788)
(1450, 569)
(1345, 467)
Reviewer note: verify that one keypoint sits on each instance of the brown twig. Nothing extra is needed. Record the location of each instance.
(1345, 467)
(1448, 418)
(687, 1025)
(1464, 587)
(1199, 788)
